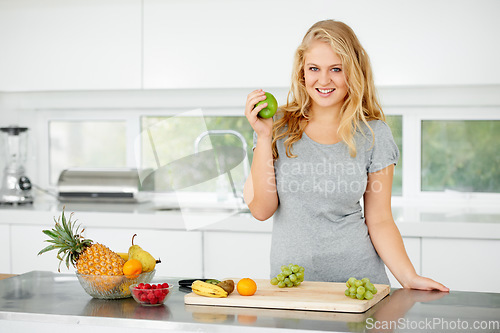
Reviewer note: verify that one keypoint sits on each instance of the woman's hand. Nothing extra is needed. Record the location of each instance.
(260, 187)
(423, 283)
(263, 127)
(385, 235)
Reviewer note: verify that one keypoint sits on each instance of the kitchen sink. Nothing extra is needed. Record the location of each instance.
(199, 203)
(208, 207)
(208, 210)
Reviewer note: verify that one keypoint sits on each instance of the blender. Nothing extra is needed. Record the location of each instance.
(16, 187)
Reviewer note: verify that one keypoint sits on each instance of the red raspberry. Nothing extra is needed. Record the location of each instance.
(153, 286)
(144, 298)
(165, 285)
(147, 286)
(165, 292)
(140, 286)
(153, 300)
(158, 293)
(161, 298)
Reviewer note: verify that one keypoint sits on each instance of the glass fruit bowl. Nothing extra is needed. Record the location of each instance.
(151, 294)
(112, 286)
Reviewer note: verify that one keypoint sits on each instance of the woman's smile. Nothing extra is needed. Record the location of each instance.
(325, 92)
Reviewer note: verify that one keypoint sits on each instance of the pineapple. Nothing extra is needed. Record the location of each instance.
(87, 257)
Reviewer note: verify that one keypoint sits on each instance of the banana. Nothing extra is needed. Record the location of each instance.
(123, 255)
(207, 289)
(210, 317)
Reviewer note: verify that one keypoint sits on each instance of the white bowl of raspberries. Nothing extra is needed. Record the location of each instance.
(151, 294)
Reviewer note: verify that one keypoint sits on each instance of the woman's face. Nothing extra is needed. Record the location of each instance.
(324, 79)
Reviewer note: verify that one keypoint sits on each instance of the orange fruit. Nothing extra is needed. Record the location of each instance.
(246, 287)
(132, 268)
(246, 319)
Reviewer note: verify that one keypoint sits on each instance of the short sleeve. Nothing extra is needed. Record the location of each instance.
(385, 151)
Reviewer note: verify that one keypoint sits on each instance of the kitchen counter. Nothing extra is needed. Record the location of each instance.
(44, 301)
(438, 219)
(441, 239)
(148, 214)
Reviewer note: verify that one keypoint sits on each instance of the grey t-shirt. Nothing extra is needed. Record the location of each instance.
(319, 222)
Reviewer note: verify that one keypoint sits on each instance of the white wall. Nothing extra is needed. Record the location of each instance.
(411, 43)
(77, 44)
(425, 42)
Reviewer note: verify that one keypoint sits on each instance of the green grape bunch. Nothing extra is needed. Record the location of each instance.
(290, 276)
(360, 289)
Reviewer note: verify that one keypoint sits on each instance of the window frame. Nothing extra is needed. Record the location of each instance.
(412, 140)
(412, 116)
(132, 118)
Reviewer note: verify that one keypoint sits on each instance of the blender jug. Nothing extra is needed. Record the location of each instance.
(16, 187)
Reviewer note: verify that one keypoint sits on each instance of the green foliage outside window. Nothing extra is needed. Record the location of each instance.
(396, 125)
(461, 155)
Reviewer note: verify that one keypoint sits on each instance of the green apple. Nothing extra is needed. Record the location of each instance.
(270, 109)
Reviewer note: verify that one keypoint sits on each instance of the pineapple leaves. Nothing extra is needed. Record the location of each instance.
(65, 257)
(48, 248)
(67, 225)
(63, 251)
(63, 234)
(50, 234)
(66, 238)
(67, 261)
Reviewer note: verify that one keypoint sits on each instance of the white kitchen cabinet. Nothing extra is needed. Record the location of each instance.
(462, 264)
(26, 242)
(413, 249)
(240, 247)
(5, 259)
(70, 45)
(232, 254)
(180, 251)
(221, 43)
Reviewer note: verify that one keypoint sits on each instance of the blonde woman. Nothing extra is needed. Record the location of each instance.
(327, 148)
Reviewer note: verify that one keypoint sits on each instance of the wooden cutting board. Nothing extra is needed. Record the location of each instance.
(317, 296)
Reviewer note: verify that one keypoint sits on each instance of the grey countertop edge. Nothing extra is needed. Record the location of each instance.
(463, 305)
(133, 323)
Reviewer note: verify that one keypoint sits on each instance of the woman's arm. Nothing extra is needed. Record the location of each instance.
(260, 187)
(259, 191)
(385, 235)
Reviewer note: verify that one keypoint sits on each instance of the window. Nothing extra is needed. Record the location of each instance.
(460, 155)
(168, 144)
(396, 125)
(162, 140)
(86, 144)
(173, 137)
(448, 143)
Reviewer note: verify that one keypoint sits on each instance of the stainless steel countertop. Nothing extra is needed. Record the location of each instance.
(51, 297)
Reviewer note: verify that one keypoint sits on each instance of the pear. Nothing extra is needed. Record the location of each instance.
(147, 260)
(133, 248)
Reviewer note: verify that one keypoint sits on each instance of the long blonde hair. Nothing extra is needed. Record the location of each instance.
(361, 102)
